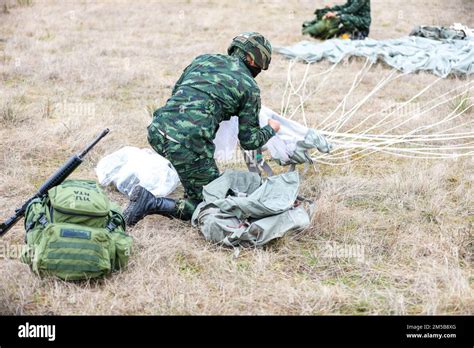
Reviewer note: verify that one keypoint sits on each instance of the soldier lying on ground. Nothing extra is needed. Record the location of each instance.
(352, 19)
(211, 89)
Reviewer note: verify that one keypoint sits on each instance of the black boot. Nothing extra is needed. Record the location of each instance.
(143, 203)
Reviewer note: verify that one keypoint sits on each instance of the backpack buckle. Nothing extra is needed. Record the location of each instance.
(43, 220)
(110, 226)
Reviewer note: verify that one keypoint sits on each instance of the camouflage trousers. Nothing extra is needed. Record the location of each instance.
(358, 26)
(194, 170)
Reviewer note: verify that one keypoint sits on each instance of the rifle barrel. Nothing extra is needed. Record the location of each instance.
(94, 143)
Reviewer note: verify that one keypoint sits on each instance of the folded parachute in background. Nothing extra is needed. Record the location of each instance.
(454, 32)
(407, 54)
(289, 146)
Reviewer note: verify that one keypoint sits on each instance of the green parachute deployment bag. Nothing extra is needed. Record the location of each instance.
(75, 232)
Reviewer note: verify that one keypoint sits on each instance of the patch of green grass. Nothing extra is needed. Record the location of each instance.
(415, 309)
(10, 115)
(357, 308)
(350, 280)
(331, 281)
(12, 80)
(7, 114)
(430, 216)
(462, 103)
(48, 36)
(349, 226)
(243, 265)
(187, 264)
(374, 203)
(311, 257)
(362, 307)
(402, 98)
(24, 2)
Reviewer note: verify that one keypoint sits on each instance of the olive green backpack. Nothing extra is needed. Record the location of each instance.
(75, 232)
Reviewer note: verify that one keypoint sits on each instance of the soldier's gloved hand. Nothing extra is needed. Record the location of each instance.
(274, 124)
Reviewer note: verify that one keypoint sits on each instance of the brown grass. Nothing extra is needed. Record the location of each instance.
(69, 69)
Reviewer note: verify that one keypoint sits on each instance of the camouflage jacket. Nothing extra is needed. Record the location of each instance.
(348, 12)
(211, 89)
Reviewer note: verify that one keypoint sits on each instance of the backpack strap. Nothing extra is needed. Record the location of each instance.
(116, 220)
(43, 220)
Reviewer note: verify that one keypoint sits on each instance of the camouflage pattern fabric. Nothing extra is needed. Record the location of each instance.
(354, 17)
(211, 89)
(194, 171)
(256, 46)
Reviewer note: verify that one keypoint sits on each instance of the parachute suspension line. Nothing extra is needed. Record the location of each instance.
(290, 91)
(378, 132)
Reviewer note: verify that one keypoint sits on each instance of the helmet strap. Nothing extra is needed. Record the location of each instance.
(237, 52)
(254, 70)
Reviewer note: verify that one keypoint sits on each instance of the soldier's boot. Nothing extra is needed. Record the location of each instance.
(143, 203)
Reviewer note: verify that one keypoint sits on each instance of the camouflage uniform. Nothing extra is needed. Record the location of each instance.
(353, 17)
(211, 89)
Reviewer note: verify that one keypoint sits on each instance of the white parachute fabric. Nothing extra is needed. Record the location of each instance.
(293, 140)
(226, 139)
(131, 166)
(289, 146)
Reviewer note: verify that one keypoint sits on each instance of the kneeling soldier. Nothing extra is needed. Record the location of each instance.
(211, 89)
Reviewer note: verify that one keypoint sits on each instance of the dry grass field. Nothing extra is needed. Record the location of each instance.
(71, 68)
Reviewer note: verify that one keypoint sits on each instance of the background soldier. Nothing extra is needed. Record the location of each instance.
(211, 89)
(352, 18)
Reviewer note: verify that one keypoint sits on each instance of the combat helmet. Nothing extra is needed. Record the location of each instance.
(256, 46)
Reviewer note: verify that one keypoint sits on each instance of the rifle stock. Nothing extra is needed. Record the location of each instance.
(57, 178)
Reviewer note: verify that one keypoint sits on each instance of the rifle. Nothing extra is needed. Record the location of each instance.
(57, 178)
